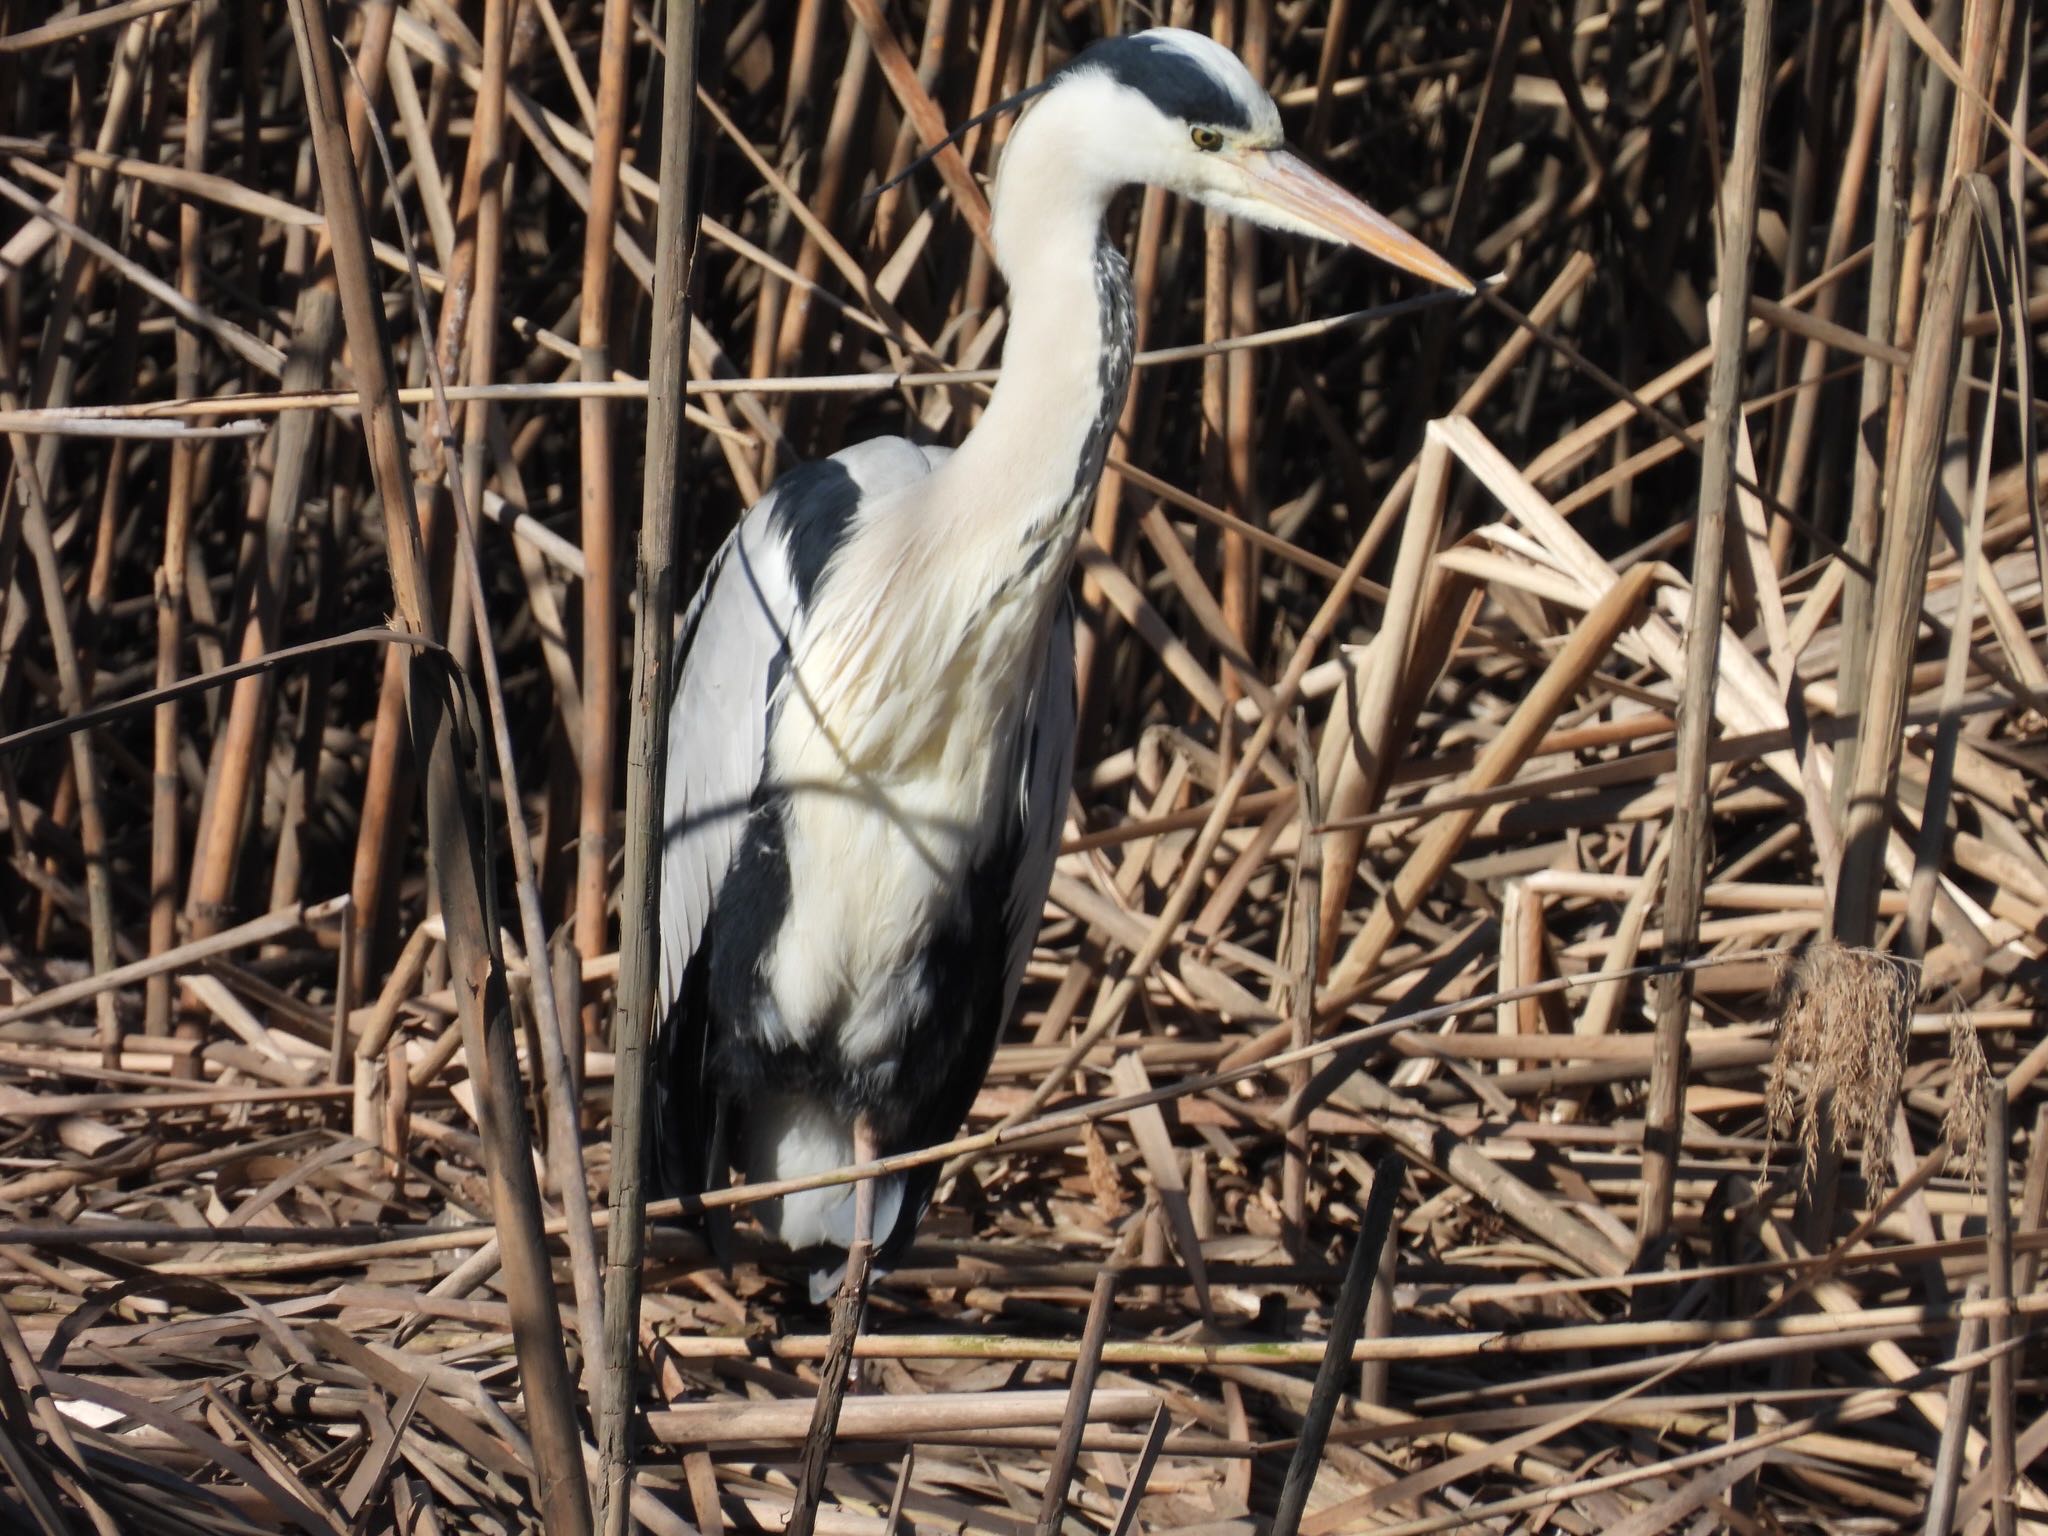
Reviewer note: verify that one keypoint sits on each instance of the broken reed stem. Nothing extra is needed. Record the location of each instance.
(1304, 911)
(667, 514)
(599, 589)
(1948, 1457)
(1998, 1198)
(1362, 720)
(834, 1375)
(1902, 579)
(1374, 1225)
(1240, 559)
(1888, 235)
(170, 590)
(239, 747)
(2033, 1201)
(1087, 1364)
(453, 828)
(477, 334)
(1141, 1474)
(1692, 818)
(85, 773)
(787, 1420)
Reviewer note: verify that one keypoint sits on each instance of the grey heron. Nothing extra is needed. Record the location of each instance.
(872, 730)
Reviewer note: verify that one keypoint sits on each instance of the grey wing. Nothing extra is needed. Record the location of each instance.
(735, 633)
(1047, 775)
(735, 629)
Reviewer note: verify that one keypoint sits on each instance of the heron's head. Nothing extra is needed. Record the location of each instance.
(1174, 109)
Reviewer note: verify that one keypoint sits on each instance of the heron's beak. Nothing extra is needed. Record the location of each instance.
(1290, 184)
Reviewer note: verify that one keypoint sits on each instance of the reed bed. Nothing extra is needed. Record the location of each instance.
(1561, 770)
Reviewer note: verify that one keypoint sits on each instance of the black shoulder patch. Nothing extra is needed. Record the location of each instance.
(814, 507)
(1175, 81)
(753, 905)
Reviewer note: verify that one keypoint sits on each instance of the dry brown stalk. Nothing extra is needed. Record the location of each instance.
(1686, 870)
(1081, 1405)
(874, 1418)
(165, 854)
(1901, 576)
(666, 516)
(85, 771)
(599, 679)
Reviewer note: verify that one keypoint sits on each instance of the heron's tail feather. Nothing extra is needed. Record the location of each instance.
(685, 1152)
(792, 1136)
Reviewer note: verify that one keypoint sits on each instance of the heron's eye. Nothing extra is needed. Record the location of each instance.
(1206, 138)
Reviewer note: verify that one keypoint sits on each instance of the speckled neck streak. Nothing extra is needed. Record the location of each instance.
(1060, 531)
(1119, 327)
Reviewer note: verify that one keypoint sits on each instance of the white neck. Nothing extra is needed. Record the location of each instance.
(1025, 454)
(973, 560)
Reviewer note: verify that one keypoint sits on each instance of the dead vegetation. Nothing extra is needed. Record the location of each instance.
(1834, 1082)
(1405, 773)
